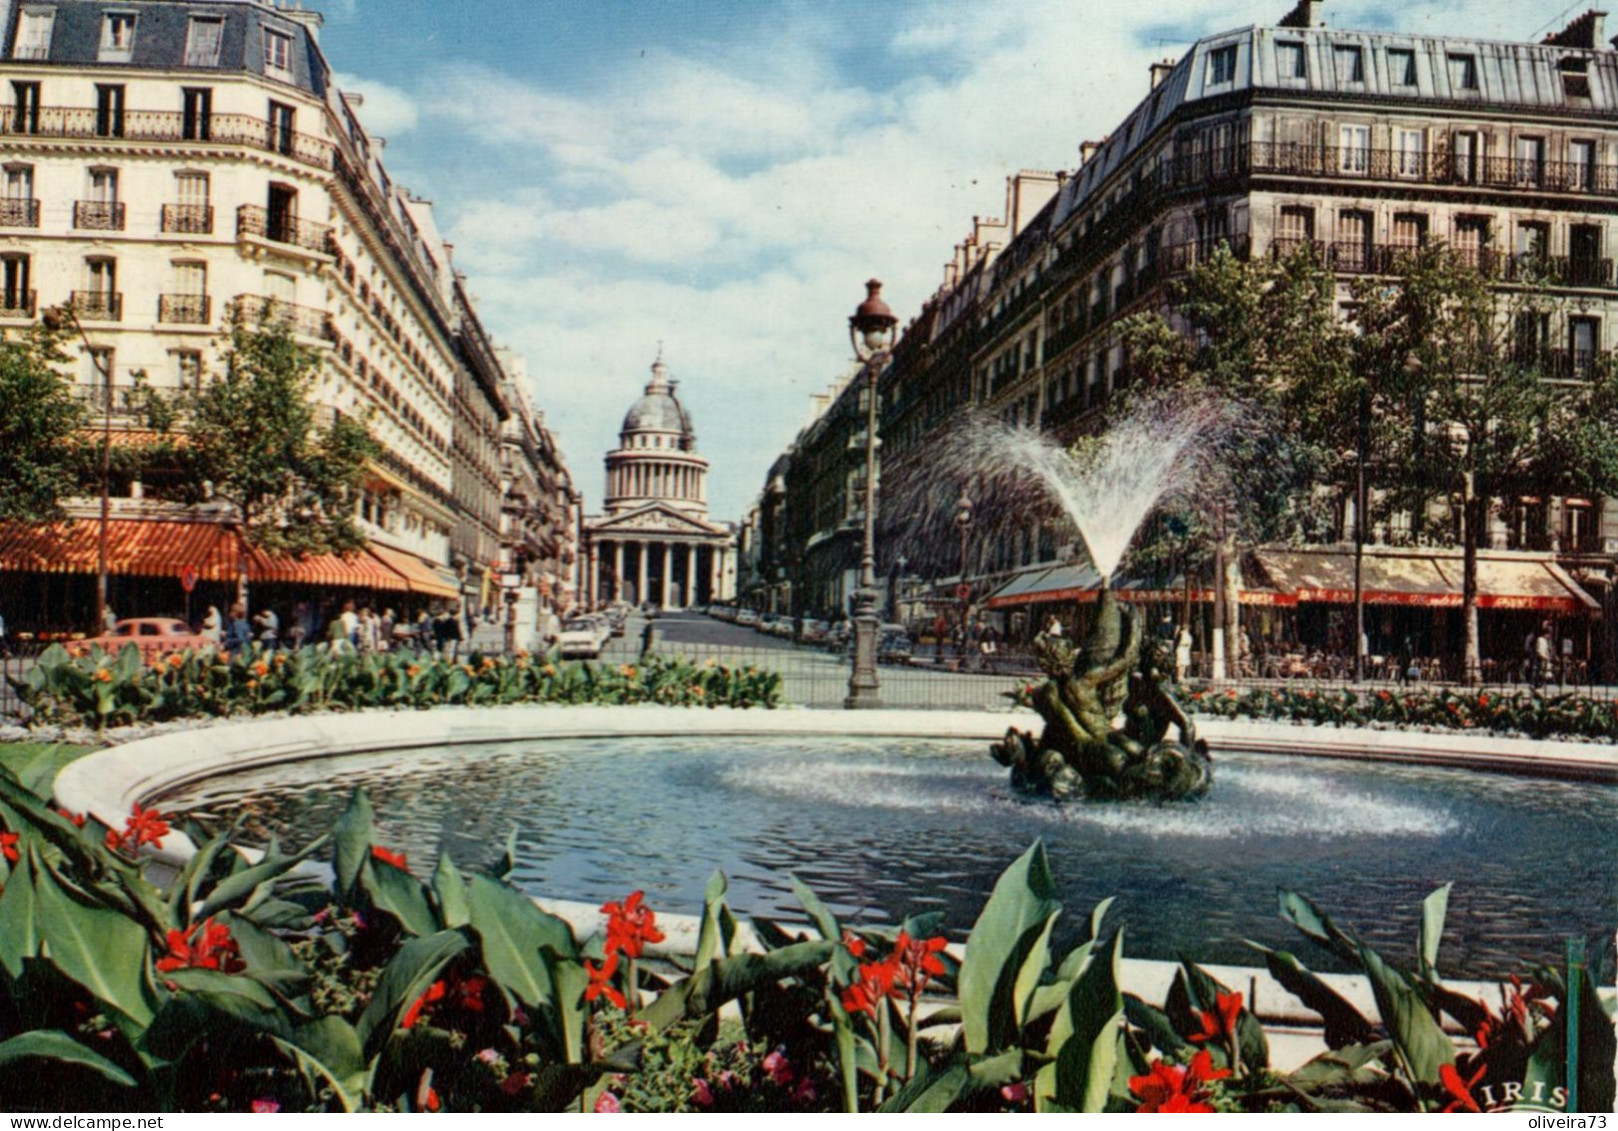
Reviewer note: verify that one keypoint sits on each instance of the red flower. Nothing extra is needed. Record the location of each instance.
(701, 1094)
(630, 926)
(143, 826)
(76, 818)
(469, 992)
(435, 993)
(1460, 1089)
(516, 1082)
(915, 961)
(388, 856)
(778, 1068)
(432, 1102)
(1015, 1093)
(607, 1104)
(1170, 1088)
(267, 1105)
(601, 980)
(1220, 1024)
(8, 846)
(854, 944)
(207, 947)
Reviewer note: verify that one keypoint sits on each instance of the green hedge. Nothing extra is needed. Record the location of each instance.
(105, 690)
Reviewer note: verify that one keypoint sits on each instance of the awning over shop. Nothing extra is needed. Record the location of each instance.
(357, 570)
(418, 575)
(1425, 579)
(1542, 586)
(139, 549)
(1061, 583)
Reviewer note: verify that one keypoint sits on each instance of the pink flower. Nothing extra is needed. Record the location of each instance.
(515, 1083)
(488, 1056)
(1015, 1093)
(266, 1105)
(701, 1094)
(778, 1068)
(607, 1104)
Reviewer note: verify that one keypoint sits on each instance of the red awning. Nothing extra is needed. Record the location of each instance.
(417, 574)
(1426, 579)
(358, 570)
(134, 548)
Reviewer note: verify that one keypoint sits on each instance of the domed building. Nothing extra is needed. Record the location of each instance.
(653, 542)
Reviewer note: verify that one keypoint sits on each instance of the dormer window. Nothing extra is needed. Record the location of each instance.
(34, 34)
(1222, 65)
(1289, 61)
(1401, 67)
(1463, 72)
(278, 53)
(202, 40)
(1350, 64)
(117, 37)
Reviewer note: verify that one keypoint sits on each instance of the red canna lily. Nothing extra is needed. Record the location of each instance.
(388, 856)
(435, 993)
(8, 846)
(77, 818)
(1170, 1088)
(1460, 1089)
(854, 944)
(1220, 1023)
(630, 926)
(916, 960)
(209, 946)
(144, 826)
(601, 980)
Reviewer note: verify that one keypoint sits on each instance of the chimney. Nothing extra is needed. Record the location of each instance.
(298, 14)
(1584, 32)
(1161, 71)
(1087, 150)
(1305, 14)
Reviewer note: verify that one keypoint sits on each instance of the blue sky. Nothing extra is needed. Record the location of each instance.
(723, 175)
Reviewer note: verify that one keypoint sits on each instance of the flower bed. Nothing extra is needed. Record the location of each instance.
(104, 690)
(1529, 713)
(244, 986)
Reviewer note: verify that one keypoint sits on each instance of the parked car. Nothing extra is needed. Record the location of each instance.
(583, 638)
(747, 618)
(894, 645)
(816, 631)
(152, 635)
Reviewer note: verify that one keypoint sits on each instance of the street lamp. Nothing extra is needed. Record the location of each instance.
(1460, 442)
(55, 318)
(871, 329)
(963, 526)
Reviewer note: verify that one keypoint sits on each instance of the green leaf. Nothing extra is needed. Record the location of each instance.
(1433, 910)
(1345, 1025)
(239, 886)
(19, 917)
(329, 1048)
(101, 950)
(450, 891)
(819, 914)
(58, 1048)
(718, 931)
(351, 837)
(710, 987)
(400, 894)
(404, 979)
(1349, 1066)
(1084, 1038)
(1317, 925)
(1420, 1042)
(998, 978)
(513, 931)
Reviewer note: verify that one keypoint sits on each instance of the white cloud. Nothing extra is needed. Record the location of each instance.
(387, 110)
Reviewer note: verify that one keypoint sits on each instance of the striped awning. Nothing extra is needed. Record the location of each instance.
(134, 548)
(419, 575)
(358, 570)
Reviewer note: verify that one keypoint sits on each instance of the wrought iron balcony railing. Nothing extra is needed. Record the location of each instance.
(103, 306)
(19, 212)
(1334, 162)
(18, 304)
(252, 220)
(99, 215)
(188, 219)
(305, 321)
(170, 126)
(190, 309)
(118, 402)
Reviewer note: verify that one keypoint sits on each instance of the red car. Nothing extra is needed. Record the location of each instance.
(152, 635)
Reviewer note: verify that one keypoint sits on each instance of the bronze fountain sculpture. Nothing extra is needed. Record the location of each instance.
(1081, 754)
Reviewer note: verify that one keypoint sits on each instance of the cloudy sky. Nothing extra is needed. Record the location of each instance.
(723, 175)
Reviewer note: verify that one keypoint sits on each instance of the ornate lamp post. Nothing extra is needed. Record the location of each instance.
(872, 329)
(963, 526)
(55, 319)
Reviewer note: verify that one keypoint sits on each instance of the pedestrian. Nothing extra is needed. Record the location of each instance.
(384, 631)
(449, 634)
(350, 622)
(238, 632)
(109, 619)
(213, 626)
(365, 631)
(648, 639)
(1406, 661)
(1053, 627)
(269, 628)
(988, 647)
(1542, 654)
(1182, 654)
(426, 635)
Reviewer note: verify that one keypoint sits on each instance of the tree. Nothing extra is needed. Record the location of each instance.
(40, 427)
(1479, 413)
(253, 440)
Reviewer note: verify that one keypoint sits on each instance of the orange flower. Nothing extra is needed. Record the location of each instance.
(176, 660)
(103, 675)
(209, 946)
(261, 669)
(601, 980)
(631, 926)
(388, 856)
(144, 826)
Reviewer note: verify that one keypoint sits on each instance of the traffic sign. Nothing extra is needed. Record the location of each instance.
(188, 578)
(963, 590)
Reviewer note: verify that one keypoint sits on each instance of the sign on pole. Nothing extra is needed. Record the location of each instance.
(963, 590)
(188, 578)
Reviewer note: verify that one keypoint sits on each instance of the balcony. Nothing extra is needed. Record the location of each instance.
(304, 321)
(1510, 173)
(260, 223)
(101, 306)
(188, 219)
(1575, 365)
(99, 215)
(120, 403)
(18, 304)
(195, 310)
(19, 212)
(170, 127)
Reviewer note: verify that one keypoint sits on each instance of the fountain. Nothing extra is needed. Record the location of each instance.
(1107, 493)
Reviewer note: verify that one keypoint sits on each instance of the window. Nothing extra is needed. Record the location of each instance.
(98, 363)
(1530, 337)
(282, 117)
(188, 369)
(191, 188)
(1294, 227)
(1533, 240)
(1409, 230)
(19, 182)
(1353, 252)
(101, 275)
(24, 107)
(1582, 335)
(1349, 63)
(1466, 155)
(1581, 159)
(117, 37)
(1221, 65)
(34, 34)
(109, 110)
(104, 186)
(1354, 150)
(1585, 266)
(280, 288)
(1529, 168)
(190, 278)
(1575, 79)
(202, 39)
(196, 121)
(1289, 61)
(278, 53)
(16, 292)
(1401, 67)
(1409, 153)
(1472, 239)
(1463, 72)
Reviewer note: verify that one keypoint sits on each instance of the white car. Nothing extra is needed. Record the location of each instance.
(583, 638)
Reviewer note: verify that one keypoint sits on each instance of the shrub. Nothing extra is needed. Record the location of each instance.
(105, 690)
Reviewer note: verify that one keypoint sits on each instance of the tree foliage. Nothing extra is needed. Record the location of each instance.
(40, 427)
(254, 440)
